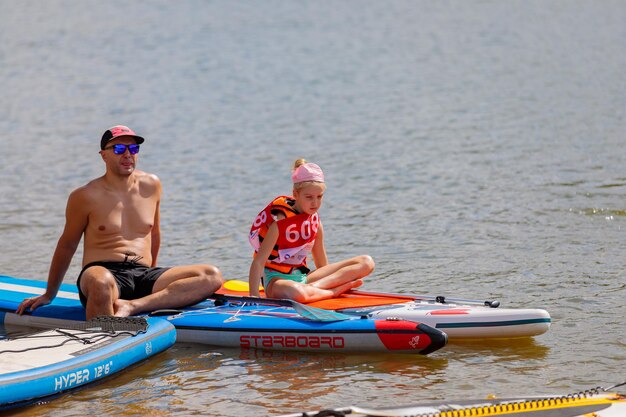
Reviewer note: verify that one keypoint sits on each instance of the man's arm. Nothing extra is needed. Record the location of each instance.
(76, 218)
(155, 234)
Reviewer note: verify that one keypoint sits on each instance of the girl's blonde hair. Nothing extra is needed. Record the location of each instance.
(298, 163)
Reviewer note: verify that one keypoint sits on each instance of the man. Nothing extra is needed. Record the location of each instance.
(118, 215)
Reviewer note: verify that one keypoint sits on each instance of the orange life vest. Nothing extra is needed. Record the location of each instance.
(296, 234)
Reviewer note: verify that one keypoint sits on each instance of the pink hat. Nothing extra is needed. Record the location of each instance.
(117, 131)
(307, 172)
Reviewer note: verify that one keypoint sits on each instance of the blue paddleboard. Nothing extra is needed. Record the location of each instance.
(47, 363)
(245, 323)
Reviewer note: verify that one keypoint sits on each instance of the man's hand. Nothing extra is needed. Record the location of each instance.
(33, 303)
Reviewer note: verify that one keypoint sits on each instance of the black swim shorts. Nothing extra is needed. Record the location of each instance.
(133, 280)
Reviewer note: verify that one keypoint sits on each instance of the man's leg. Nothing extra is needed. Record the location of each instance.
(98, 285)
(177, 287)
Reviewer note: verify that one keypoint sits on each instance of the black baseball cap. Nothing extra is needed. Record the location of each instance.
(116, 132)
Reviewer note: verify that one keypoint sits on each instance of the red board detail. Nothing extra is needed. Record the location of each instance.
(447, 312)
(402, 335)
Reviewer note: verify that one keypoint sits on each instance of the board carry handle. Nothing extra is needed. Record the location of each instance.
(308, 312)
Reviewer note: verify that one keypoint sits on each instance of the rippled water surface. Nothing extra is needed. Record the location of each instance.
(473, 148)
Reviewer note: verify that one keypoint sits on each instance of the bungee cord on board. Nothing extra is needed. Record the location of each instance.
(89, 332)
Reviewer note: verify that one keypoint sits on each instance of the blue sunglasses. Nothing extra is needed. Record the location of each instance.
(119, 149)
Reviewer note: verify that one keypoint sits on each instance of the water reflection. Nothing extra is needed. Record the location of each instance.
(283, 380)
(505, 350)
(327, 366)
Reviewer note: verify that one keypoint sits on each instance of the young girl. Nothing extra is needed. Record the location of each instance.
(285, 231)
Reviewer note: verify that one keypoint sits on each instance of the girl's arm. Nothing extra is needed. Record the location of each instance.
(258, 263)
(319, 251)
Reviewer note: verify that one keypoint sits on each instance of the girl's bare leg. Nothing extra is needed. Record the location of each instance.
(305, 293)
(339, 273)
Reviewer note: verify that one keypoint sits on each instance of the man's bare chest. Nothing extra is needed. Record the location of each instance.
(132, 215)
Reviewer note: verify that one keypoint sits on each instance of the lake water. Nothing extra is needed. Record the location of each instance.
(473, 148)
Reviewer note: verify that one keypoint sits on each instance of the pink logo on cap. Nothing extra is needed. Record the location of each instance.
(307, 172)
(121, 131)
